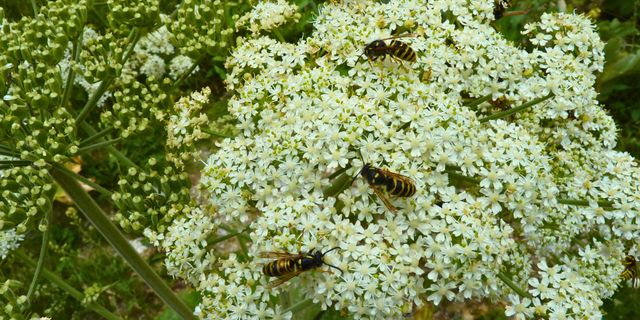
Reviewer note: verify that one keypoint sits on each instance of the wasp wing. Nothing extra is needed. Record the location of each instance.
(384, 199)
(278, 255)
(397, 176)
(282, 279)
(405, 35)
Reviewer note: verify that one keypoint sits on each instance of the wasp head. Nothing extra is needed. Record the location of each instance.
(368, 172)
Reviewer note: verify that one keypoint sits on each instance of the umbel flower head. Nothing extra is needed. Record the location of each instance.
(532, 208)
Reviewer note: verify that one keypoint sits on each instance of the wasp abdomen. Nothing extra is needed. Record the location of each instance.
(280, 267)
(402, 51)
(400, 188)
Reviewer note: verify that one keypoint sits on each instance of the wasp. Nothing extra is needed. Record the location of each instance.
(500, 10)
(395, 49)
(393, 183)
(288, 265)
(630, 270)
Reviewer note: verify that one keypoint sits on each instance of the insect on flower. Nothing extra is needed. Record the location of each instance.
(500, 10)
(289, 265)
(393, 183)
(630, 270)
(395, 49)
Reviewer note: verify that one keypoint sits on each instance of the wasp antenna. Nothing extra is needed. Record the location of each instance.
(330, 250)
(332, 266)
(361, 159)
(356, 176)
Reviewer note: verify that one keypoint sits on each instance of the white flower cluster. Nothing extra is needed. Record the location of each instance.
(185, 125)
(9, 240)
(268, 15)
(536, 210)
(149, 58)
(151, 52)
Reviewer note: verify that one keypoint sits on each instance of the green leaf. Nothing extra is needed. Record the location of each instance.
(623, 66)
(614, 28)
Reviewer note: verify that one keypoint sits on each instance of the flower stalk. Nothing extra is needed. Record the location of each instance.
(99, 219)
(71, 75)
(93, 100)
(98, 145)
(301, 305)
(585, 203)
(84, 180)
(511, 111)
(340, 184)
(56, 280)
(43, 253)
(521, 292)
(96, 136)
(113, 151)
(474, 103)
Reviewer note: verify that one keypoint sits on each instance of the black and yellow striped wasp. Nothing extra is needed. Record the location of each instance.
(396, 49)
(392, 183)
(288, 265)
(630, 270)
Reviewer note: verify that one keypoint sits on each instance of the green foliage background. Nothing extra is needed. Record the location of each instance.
(81, 256)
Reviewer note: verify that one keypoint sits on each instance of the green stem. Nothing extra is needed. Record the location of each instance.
(117, 240)
(241, 233)
(43, 252)
(113, 151)
(93, 100)
(223, 238)
(186, 74)
(71, 75)
(217, 134)
(339, 172)
(340, 184)
(243, 247)
(458, 176)
(298, 306)
(584, 203)
(6, 151)
(98, 145)
(242, 239)
(84, 180)
(514, 286)
(53, 278)
(122, 158)
(474, 103)
(133, 38)
(516, 109)
(279, 36)
(34, 7)
(96, 136)
(15, 163)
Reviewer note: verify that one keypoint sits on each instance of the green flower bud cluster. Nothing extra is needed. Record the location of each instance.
(153, 197)
(32, 124)
(202, 26)
(136, 105)
(12, 303)
(102, 57)
(27, 192)
(45, 37)
(141, 14)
